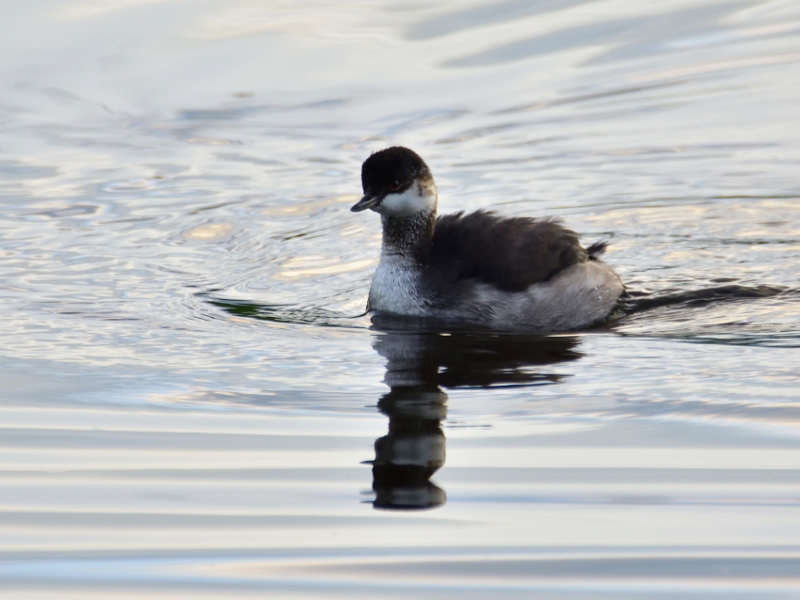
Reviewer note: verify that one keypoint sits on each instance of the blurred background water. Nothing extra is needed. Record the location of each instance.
(193, 403)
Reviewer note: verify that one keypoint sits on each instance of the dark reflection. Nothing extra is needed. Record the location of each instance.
(422, 357)
(412, 451)
(420, 362)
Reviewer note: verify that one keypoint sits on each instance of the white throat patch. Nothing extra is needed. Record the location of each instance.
(415, 199)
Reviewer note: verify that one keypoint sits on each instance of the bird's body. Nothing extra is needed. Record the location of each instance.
(478, 268)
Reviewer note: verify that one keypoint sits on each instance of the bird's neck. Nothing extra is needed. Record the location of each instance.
(409, 238)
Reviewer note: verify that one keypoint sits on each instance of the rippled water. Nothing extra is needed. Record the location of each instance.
(194, 403)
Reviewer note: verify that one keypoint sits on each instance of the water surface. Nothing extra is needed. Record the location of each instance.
(194, 403)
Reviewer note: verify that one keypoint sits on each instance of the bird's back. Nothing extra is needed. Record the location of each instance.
(509, 253)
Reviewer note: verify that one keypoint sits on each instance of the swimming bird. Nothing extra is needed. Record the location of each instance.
(505, 273)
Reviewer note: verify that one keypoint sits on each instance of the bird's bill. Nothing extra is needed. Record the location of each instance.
(368, 201)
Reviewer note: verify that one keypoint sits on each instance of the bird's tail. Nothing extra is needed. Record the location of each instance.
(596, 250)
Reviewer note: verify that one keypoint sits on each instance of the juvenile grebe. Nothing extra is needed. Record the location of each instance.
(478, 268)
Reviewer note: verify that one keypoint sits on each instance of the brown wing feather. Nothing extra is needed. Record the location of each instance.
(511, 253)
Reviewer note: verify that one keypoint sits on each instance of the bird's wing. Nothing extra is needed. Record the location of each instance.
(511, 253)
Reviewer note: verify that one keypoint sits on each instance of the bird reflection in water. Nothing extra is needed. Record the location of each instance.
(419, 364)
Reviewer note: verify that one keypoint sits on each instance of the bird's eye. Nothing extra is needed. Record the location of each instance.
(394, 186)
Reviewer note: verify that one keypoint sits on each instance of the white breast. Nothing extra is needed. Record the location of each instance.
(395, 287)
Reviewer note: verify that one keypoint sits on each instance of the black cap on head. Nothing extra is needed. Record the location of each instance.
(389, 171)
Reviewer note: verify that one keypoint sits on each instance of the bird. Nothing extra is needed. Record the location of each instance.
(479, 268)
